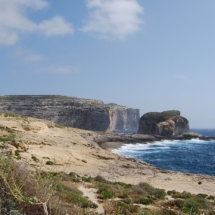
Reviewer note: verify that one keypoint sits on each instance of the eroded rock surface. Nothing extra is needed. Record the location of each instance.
(166, 124)
(74, 112)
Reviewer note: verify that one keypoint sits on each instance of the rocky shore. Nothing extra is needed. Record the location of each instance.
(89, 153)
(114, 140)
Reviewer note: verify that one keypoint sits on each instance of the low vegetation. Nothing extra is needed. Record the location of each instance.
(162, 116)
(49, 163)
(56, 193)
(37, 193)
(8, 134)
(59, 126)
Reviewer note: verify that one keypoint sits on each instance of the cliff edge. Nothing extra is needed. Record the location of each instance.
(74, 112)
(166, 124)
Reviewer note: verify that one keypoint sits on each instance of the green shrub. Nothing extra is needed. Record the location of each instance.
(151, 191)
(34, 158)
(88, 204)
(183, 195)
(49, 163)
(124, 185)
(59, 126)
(193, 205)
(145, 201)
(87, 179)
(123, 208)
(177, 203)
(167, 212)
(100, 179)
(201, 195)
(17, 154)
(150, 213)
(170, 192)
(10, 115)
(10, 137)
(211, 197)
(25, 192)
(160, 193)
(128, 201)
(73, 177)
(105, 194)
(73, 195)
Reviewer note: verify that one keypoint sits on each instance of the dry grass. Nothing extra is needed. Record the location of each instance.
(29, 193)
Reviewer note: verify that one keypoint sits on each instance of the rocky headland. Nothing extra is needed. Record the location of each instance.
(165, 124)
(74, 112)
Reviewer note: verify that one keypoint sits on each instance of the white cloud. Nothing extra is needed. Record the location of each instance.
(28, 56)
(8, 37)
(182, 77)
(33, 57)
(61, 69)
(56, 26)
(14, 21)
(113, 19)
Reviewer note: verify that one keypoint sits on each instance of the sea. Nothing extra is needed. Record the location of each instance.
(187, 156)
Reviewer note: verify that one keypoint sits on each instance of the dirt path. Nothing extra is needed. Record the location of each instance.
(92, 196)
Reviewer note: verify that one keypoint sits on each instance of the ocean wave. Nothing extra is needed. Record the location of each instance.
(194, 156)
(165, 144)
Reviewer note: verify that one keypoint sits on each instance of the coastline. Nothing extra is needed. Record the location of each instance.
(166, 179)
(81, 152)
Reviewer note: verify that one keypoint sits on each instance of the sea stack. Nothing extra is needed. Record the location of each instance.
(166, 124)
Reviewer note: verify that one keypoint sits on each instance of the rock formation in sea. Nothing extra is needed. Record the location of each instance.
(167, 123)
(74, 112)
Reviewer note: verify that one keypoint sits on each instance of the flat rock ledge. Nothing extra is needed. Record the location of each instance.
(115, 140)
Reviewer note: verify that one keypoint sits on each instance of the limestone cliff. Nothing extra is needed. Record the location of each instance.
(167, 124)
(71, 111)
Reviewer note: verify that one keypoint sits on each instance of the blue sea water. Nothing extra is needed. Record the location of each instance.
(205, 132)
(188, 156)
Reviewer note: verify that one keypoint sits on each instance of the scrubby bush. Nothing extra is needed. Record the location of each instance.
(145, 201)
(183, 195)
(73, 195)
(105, 193)
(151, 191)
(100, 179)
(23, 192)
(49, 163)
(194, 205)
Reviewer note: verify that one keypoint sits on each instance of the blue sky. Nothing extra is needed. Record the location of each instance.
(151, 55)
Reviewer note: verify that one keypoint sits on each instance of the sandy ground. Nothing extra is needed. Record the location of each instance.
(71, 151)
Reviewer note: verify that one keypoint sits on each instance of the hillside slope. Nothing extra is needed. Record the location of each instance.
(73, 150)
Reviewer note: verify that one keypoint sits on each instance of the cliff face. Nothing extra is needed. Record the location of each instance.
(70, 111)
(122, 118)
(167, 124)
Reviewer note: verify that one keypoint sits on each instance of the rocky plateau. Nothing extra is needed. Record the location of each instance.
(73, 112)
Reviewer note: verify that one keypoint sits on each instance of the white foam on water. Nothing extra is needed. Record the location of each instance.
(129, 149)
(197, 140)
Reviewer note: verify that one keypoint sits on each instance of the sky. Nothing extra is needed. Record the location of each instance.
(150, 55)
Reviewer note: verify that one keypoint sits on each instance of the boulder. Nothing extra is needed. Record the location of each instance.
(167, 124)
